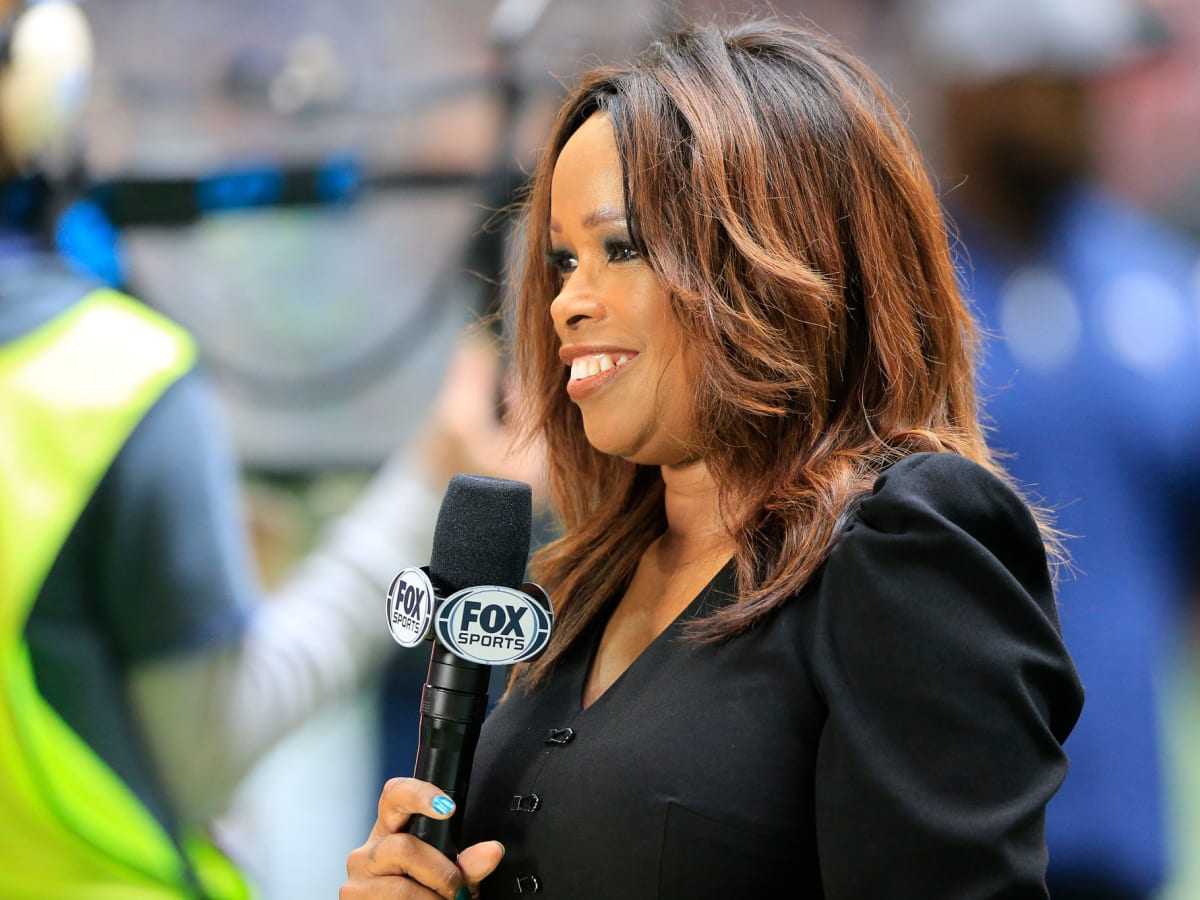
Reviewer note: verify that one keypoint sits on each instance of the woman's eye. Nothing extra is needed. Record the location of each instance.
(622, 251)
(562, 262)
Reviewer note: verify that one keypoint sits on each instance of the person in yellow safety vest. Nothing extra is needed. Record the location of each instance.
(141, 673)
(74, 390)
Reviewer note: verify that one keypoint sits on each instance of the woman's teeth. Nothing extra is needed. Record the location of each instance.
(587, 366)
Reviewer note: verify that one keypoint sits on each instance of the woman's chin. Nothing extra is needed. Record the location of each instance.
(638, 449)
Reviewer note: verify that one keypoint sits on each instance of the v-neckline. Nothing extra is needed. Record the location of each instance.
(591, 643)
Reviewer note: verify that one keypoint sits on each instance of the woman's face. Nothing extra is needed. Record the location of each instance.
(629, 374)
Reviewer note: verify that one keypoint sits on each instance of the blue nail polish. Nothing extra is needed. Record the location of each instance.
(443, 805)
(464, 893)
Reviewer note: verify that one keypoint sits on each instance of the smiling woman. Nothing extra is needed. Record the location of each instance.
(806, 640)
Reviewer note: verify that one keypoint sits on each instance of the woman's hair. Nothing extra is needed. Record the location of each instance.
(775, 192)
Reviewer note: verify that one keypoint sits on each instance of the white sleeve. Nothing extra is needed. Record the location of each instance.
(209, 716)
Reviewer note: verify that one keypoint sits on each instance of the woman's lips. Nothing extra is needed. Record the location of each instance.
(592, 371)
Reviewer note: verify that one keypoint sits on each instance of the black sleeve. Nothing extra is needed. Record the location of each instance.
(949, 692)
(176, 572)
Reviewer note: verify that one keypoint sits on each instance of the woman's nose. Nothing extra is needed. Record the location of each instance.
(578, 302)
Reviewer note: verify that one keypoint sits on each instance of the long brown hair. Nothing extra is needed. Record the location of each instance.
(773, 189)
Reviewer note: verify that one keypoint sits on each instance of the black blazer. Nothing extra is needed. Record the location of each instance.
(893, 731)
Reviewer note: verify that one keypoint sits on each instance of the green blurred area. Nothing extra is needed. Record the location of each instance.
(1182, 704)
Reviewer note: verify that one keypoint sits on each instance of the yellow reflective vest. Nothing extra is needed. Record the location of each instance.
(71, 393)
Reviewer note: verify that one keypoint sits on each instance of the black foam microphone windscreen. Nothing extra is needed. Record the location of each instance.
(482, 533)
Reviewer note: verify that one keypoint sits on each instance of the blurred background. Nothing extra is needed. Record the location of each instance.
(313, 189)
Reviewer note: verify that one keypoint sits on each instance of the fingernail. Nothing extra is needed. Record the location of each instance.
(443, 805)
(464, 893)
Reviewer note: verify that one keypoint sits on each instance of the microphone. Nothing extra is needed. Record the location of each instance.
(484, 616)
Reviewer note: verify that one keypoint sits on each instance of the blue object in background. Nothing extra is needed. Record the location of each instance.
(90, 244)
(240, 188)
(1092, 382)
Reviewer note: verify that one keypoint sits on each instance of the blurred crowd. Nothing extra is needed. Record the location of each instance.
(317, 196)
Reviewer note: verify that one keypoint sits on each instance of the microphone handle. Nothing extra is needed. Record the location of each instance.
(453, 705)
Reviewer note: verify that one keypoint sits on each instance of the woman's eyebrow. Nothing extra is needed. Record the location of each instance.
(599, 216)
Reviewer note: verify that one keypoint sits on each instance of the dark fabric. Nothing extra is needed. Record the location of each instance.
(166, 533)
(894, 731)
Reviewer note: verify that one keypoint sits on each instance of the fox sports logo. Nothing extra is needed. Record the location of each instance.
(496, 626)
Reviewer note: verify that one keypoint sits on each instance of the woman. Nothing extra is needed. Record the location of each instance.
(807, 643)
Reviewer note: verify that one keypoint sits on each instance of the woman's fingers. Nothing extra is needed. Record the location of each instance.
(382, 858)
(392, 864)
(402, 797)
(478, 861)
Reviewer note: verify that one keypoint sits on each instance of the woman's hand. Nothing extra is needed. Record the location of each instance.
(395, 865)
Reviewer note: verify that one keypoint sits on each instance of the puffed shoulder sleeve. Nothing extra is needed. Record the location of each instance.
(948, 687)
